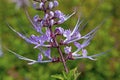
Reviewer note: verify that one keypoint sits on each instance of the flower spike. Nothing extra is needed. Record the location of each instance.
(56, 38)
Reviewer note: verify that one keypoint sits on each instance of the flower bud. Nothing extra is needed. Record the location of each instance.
(62, 19)
(32, 36)
(51, 22)
(50, 6)
(40, 57)
(35, 5)
(46, 16)
(55, 3)
(51, 14)
(36, 18)
(41, 5)
(59, 30)
(42, 23)
(84, 52)
(58, 13)
(67, 49)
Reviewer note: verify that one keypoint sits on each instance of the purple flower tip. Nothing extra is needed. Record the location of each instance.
(47, 53)
(67, 34)
(84, 53)
(62, 19)
(40, 57)
(36, 18)
(58, 13)
(59, 30)
(67, 49)
(41, 5)
(51, 14)
(78, 45)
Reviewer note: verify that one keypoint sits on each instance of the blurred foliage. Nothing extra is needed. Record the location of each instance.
(72, 75)
(94, 11)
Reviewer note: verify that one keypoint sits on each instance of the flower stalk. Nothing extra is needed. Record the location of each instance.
(59, 51)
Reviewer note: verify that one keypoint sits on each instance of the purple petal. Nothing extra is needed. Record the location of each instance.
(52, 22)
(78, 45)
(47, 53)
(34, 39)
(34, 5)
(44, 37)
(40, 57)
(67, 49)
(59, 30)
(22, 36)
(35, 26)
(46, 16)
(36, 18)
(84, 53)
(67, 33)
(62, 19)
(51, 14)
(42, 40)
(39, 40)
(86, 43)
(48, 35)
(76, 35)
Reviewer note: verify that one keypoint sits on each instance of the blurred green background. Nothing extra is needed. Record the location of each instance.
(107, 67)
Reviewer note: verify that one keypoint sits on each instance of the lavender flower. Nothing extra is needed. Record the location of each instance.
(67, 49)
(48, 53)
(40, 57)
(47, 39)
(55, 3)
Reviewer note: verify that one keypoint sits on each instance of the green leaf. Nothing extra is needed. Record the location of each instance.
(72, 75)
(58, 76)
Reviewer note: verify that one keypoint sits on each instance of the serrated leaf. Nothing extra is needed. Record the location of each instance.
(58, 76)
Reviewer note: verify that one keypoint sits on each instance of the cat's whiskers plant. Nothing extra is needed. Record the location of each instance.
(47, 40)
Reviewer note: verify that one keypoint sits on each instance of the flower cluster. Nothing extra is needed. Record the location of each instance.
(48, 36)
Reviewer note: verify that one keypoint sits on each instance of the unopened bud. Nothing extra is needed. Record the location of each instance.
(50, 5)
(55, 3)
(59, 30)
(51, 22)
(46, 16)
(36, 18)
(41, 5)
(58, 13)
(62, 19)
(51, 14)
